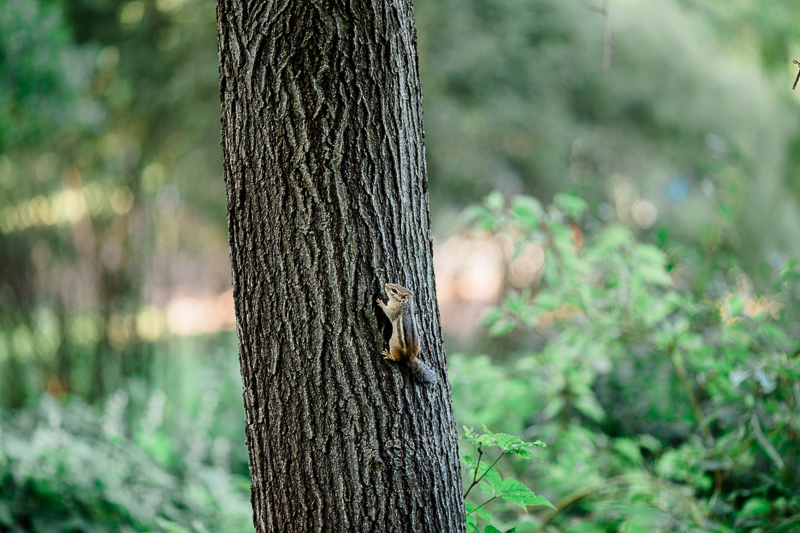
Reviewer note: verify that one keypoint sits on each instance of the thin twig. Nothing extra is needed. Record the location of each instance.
(484, 503)
(606, 36)
(683, 377)
(607, 44)
(796, 62)
(769, 449)
(478, 480)
(475, 474)
(592, 7)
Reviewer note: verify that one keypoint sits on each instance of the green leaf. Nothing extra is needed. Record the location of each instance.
(736, 305)
(655, 312)
(547, 301)
(501, 328)
(611, 239)
(756, 507)
(484, 514)
(629, 450)
(515, 492)
(527, 210)
(651, 265)
(473, 214)
(486, 223)
(589, 406)
(653, 274)
(491, 529)
(494, 201)
(491, 475)
(571, 205)
(505, 441)
(491, 315)
(649, 442)
(481, 470)
(523, 452)
(647, 253)
(476, 512)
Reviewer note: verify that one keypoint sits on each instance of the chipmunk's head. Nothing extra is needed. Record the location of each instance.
(398, 293)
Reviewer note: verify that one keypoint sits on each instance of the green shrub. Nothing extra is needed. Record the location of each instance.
(665, 388)
(73, 469)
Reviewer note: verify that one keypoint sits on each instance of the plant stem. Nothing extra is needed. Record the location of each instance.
(476, 480)
(475, 474)
(484, 503)
(680, 371)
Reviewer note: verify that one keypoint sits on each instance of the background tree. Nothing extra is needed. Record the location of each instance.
(327, 200)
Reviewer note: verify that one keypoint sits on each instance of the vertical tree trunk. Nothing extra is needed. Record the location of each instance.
(327, 200)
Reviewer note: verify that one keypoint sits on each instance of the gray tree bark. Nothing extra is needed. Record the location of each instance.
(327, 200)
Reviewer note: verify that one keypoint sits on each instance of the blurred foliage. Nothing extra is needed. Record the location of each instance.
(42, 76)
(148, 461)
(70, 468)
(109, 168)
(689, 112)
(666, 388)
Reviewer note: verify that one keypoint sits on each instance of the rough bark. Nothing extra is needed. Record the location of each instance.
(327, 200)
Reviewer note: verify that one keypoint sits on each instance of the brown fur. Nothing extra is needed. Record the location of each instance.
(404, 343)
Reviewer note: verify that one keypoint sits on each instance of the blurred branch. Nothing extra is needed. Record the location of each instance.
(692, 506)
(769, 449)
(606, 29)
(680, 370)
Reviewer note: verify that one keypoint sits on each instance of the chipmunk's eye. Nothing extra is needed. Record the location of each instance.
(394, 290)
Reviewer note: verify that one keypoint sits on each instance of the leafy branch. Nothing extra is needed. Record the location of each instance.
(490, 481)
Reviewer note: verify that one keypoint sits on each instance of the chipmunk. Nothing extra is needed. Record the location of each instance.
(404, 344)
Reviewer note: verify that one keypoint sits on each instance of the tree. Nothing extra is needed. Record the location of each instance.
(327, 200)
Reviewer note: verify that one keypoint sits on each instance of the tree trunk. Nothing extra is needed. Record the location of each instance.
(327, 201)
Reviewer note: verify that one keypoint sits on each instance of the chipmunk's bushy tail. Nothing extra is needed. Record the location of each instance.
(423, 373)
